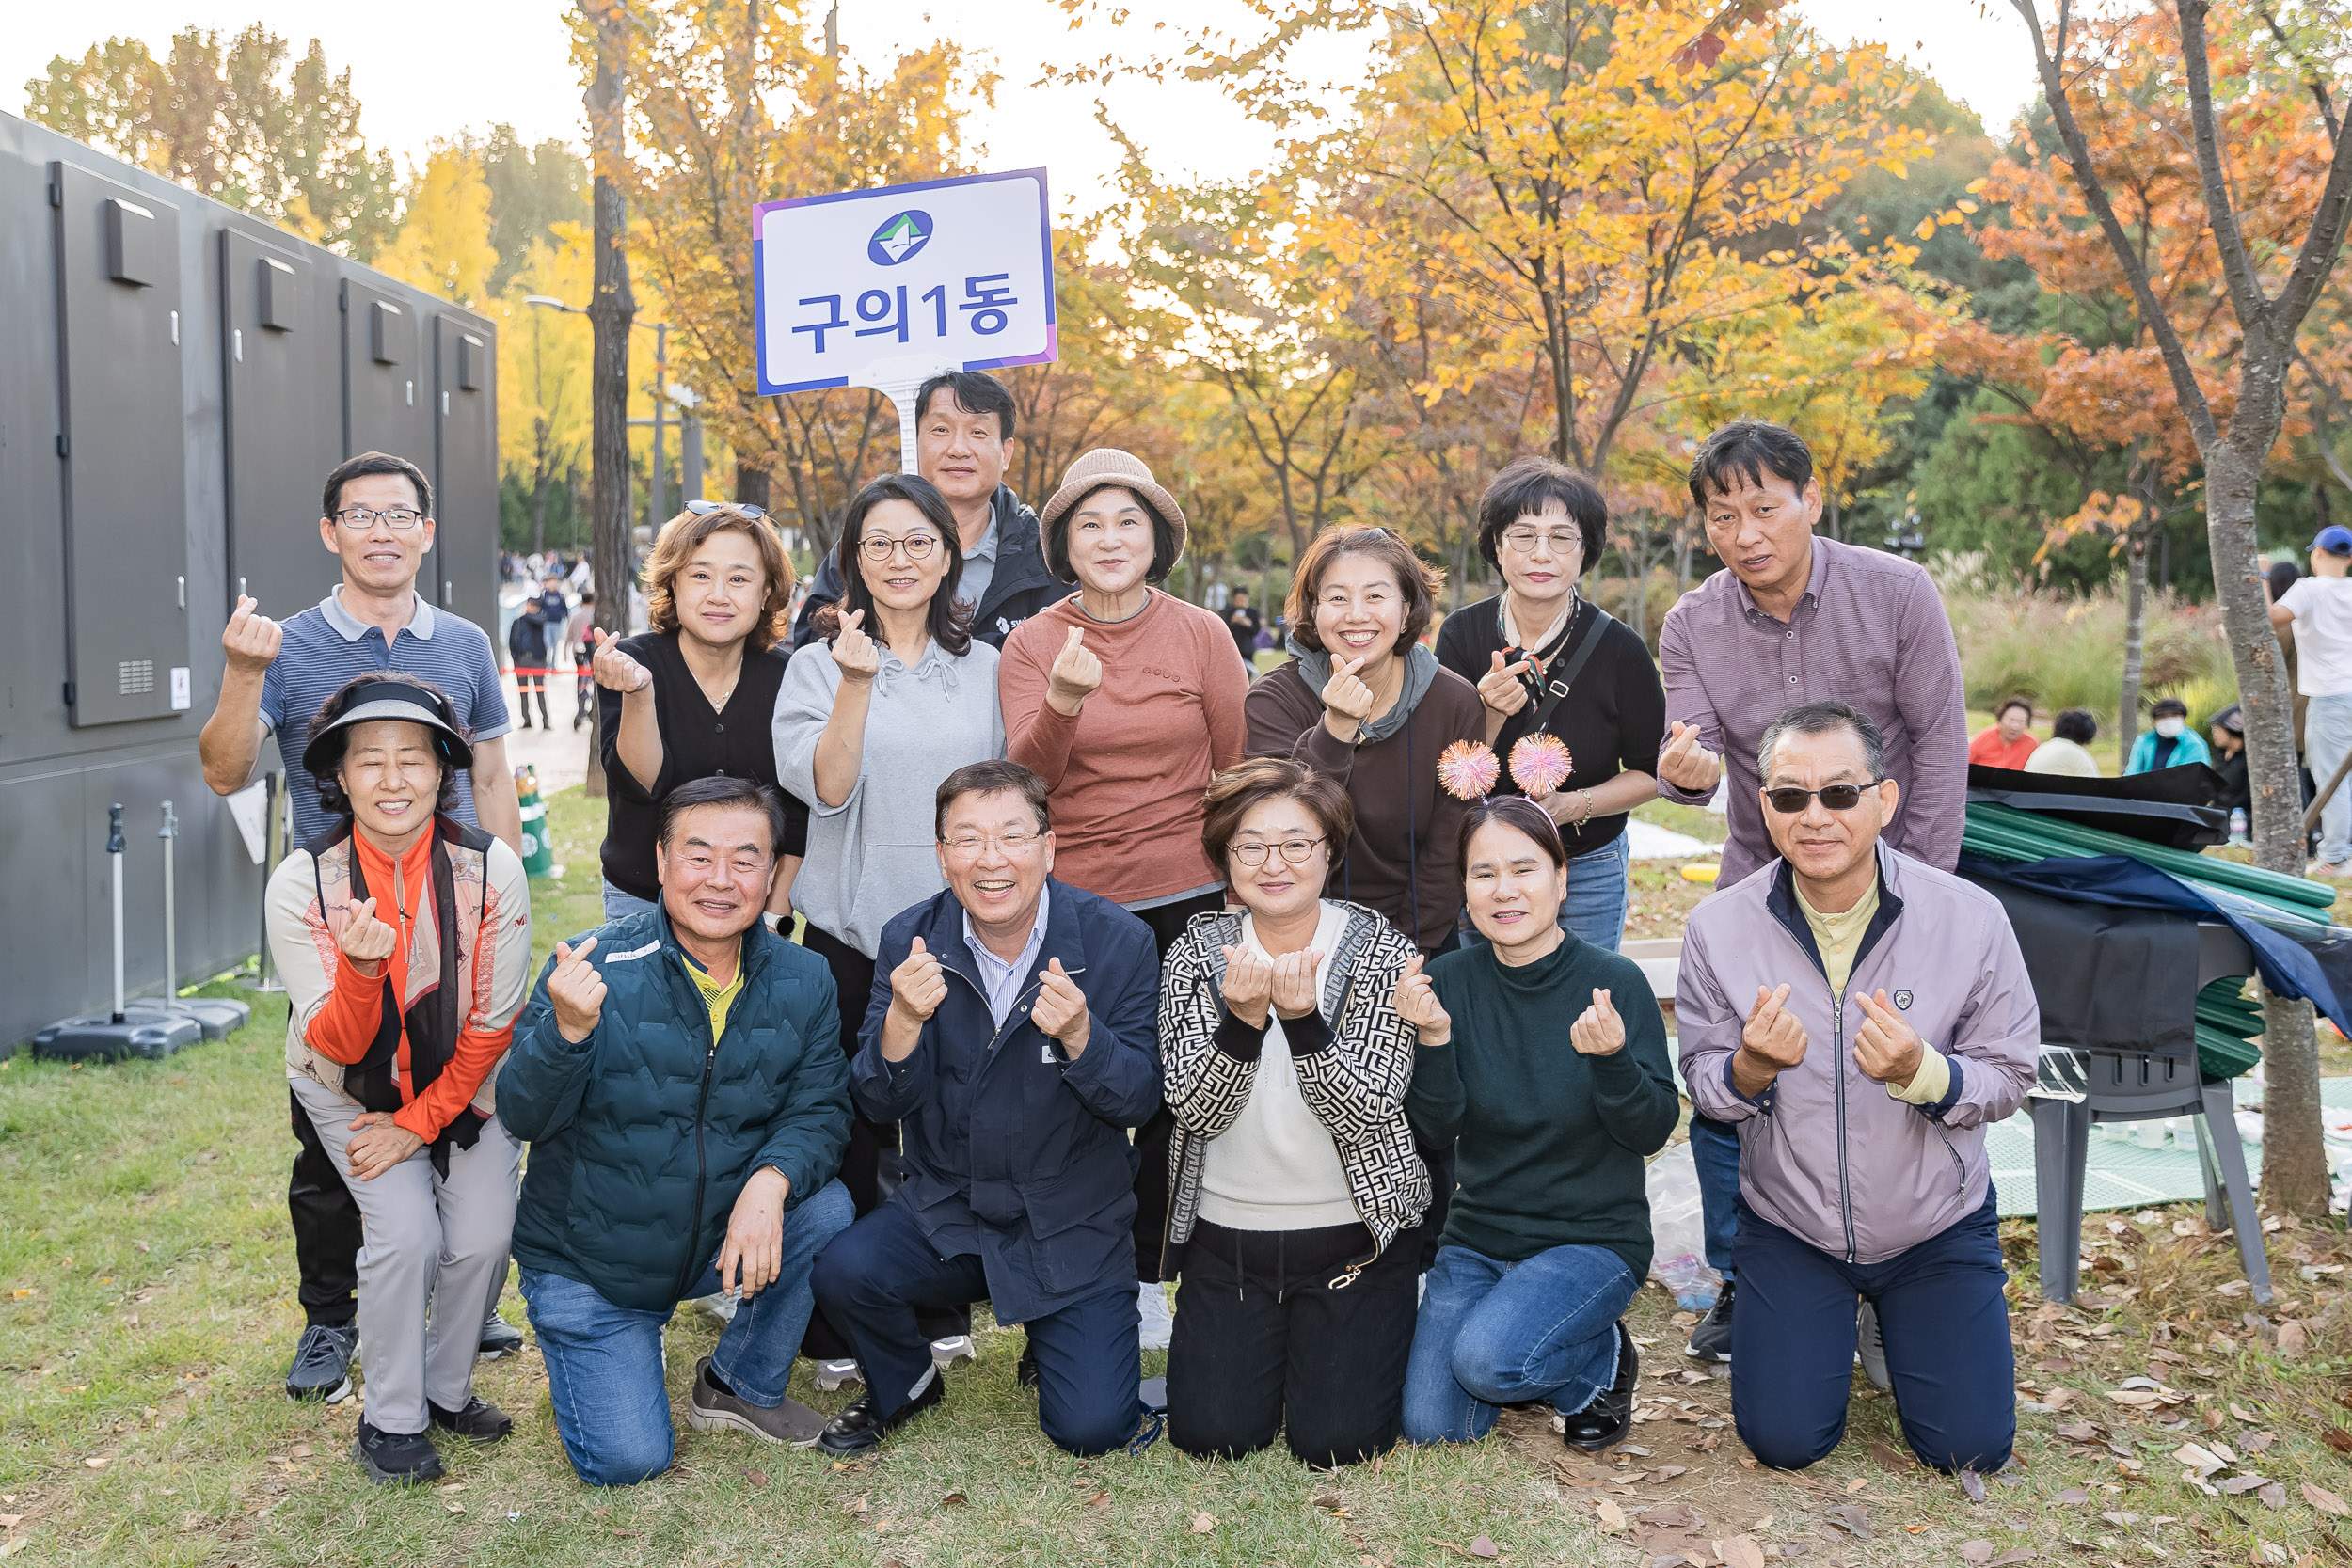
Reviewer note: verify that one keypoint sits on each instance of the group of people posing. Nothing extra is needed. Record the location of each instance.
(1120, 963)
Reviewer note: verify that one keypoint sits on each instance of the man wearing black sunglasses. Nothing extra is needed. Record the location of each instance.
(1861, 1018)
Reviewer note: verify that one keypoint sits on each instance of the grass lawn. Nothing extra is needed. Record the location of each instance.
(146, 1310)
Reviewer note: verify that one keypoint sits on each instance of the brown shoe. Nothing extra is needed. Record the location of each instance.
(713, 1409)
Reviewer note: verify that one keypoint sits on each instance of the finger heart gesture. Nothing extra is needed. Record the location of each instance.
(1416, 1002)
(854, 652)
(575, 989)
(1249, 985)
(1887, 1048)
(1346, 695)
(1061, 1009)
(1501, 689)
(1599, 1031)
(365, 939)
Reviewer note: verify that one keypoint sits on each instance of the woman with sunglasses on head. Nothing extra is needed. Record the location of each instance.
(1548, 1233)
(894, 695)
(694, 698)
(1549, 662)
(1364, 701)
(403, 937)
(1126, 701)
(1293, 1175)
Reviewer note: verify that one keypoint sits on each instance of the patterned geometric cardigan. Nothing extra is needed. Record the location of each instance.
(1354, 1086)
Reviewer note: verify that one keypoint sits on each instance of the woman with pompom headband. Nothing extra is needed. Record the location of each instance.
(1571, 695)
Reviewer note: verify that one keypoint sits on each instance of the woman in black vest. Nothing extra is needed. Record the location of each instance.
(1550, 664)
(694, 697)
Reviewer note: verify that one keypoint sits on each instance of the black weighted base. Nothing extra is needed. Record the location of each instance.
(97, 1038)
(218, 1016)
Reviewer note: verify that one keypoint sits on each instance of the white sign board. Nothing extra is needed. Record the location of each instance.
(886, 288)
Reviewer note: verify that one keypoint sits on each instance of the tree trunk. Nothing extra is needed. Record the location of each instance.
(610, 310)
(539, 512)
(2134, 641)
(2295, 1154)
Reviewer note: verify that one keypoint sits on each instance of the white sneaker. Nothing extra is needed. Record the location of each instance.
(720, 1305)
(1159, 1325)
(946, 1352)
(833, 1375)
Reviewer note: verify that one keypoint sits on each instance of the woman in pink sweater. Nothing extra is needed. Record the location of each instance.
(1127, 700)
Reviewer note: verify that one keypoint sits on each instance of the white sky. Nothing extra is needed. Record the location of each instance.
(431, 67)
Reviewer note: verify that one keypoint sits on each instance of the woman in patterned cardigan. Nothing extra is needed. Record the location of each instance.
(1296, 1193)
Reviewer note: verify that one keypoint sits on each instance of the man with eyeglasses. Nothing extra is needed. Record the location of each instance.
(1794, 619)
(964, 431)
(1861, 1018)
(376, 518)
(1012, 1034)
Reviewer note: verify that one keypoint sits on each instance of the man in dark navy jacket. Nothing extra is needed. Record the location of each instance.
(1013, 1035)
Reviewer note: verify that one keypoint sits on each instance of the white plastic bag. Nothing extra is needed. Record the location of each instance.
(1678, 1231)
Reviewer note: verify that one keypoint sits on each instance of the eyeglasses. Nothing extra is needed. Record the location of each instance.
(704, 509)
(878, 547)
(1295, 850)
(1789, 800)
(968, 847)
(1563, 541)
(360, 519)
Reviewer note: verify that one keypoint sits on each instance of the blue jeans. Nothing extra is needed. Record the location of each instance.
(1597, 891)
(1946, 1329)
(1492, 1333)
(2326, 736)
(604, 1362)
(883, 1269)
(1715, 1156)
(620, 906)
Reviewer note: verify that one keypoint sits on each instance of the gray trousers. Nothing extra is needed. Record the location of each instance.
(428, 1240)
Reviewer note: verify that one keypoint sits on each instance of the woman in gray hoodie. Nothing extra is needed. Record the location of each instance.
(894, 695)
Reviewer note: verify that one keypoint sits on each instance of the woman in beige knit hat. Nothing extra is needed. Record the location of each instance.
(1126, 700)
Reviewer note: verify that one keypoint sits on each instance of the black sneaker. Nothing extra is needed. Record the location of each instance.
(395, 1458)
(857, 1430)
(480, 1422)
(715, 1407)
(321, 1363)
(1711, 1340)
(1024, 1370)
(1606, 1421)
(498, 1339)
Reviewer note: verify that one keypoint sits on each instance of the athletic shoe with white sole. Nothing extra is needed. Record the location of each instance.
(716, 1408)
(838, 1374)
(500, 1338)
(954, 1348)
(1158, 1324)
(321, 1363)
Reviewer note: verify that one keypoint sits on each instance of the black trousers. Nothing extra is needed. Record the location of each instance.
(1168, 922)
(861, 1163)
(1266, 1344)
(325, 1227)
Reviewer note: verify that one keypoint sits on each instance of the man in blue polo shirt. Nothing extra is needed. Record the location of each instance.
(376, 518)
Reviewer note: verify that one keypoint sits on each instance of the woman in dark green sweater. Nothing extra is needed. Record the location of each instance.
(1548, 1234)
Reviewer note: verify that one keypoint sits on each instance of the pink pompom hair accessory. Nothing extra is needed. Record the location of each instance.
(1468, 770)
(1541, 762)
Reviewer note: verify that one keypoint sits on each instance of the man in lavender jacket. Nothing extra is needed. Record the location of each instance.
(1861, 1018)
(1797, 619)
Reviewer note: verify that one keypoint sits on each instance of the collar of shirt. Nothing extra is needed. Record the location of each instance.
(986, 548)
(1560, 623)
(353, 628)
(1812, 593)
(1001, 980)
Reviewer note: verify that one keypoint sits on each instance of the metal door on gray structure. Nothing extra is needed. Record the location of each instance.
(122, 442)
(282, 410)
(465, 547)
(387, 384)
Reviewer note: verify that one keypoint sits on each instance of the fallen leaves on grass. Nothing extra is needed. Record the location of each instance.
(1612, 1517)
(1852, 1519)
(1739, 1551)
(2324, 1500)
(1202, 1524)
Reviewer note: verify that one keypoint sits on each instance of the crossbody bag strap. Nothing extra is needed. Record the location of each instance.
(1556, 686)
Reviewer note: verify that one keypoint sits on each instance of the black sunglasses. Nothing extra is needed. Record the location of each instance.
(704, 508)
(1789, 800)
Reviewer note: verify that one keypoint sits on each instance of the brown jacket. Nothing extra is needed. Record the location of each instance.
(1404, 860)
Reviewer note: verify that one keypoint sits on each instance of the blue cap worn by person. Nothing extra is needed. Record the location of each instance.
(2335, 539)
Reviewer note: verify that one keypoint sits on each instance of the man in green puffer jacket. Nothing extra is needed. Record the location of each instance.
(679, 1079)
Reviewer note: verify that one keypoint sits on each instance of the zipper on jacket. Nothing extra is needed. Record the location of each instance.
(1960, 1166)
(1838, 1043)
(702, 1171)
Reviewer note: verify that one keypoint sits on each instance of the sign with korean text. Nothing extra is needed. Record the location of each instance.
(885, 287)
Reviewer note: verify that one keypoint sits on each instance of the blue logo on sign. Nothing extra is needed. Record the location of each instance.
(901, 236)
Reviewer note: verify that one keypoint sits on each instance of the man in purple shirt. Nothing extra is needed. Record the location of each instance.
(1797, 619)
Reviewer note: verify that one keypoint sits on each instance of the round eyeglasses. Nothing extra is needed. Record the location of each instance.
(1295, 852)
